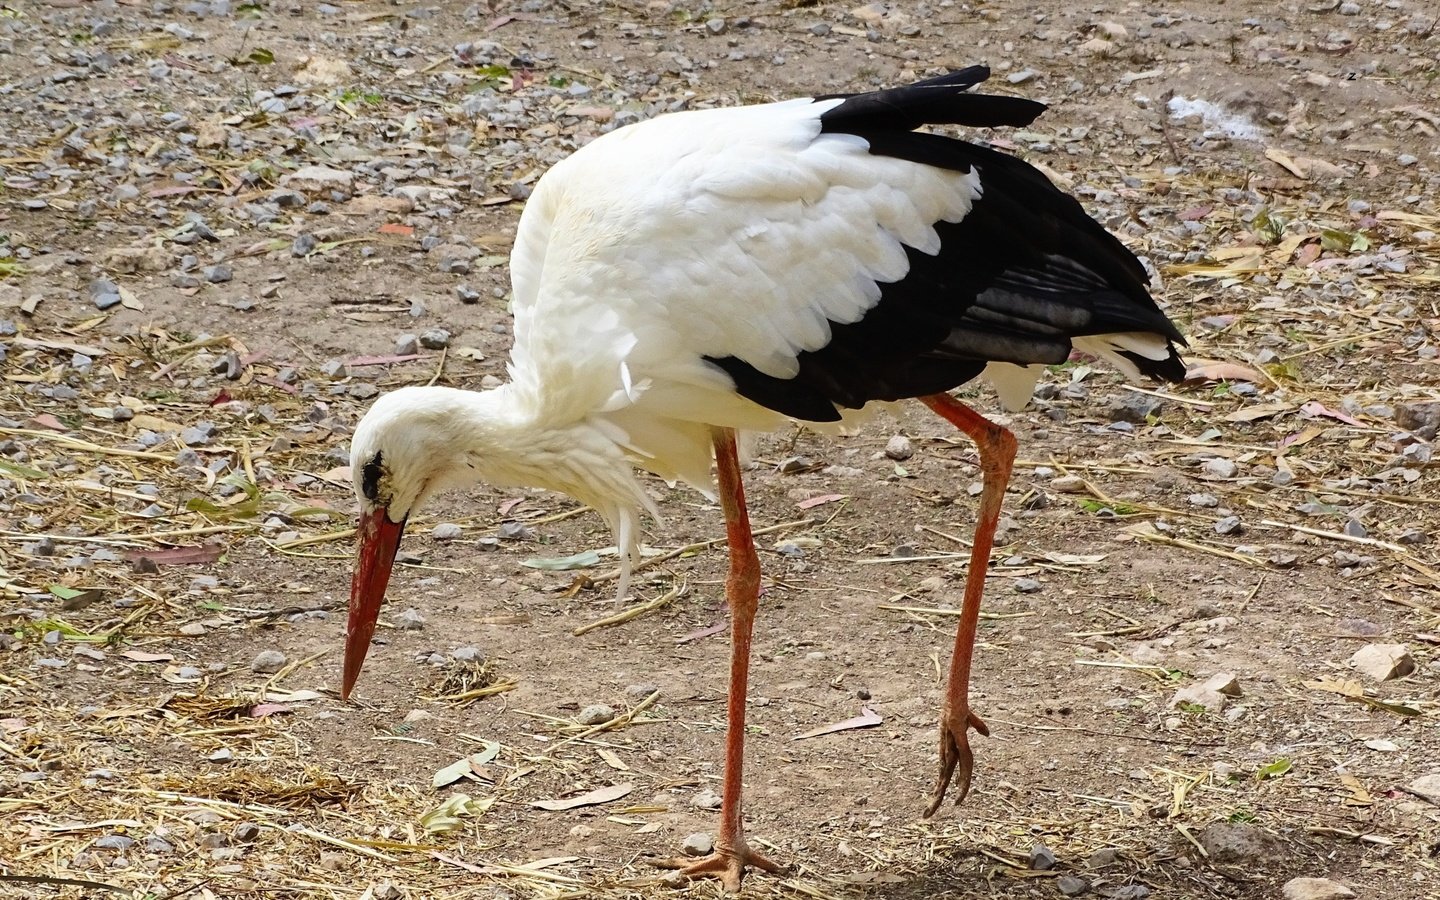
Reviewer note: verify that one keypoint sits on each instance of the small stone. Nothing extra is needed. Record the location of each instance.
(715, 26)
(467, 654)
(1205, 501)
(407, 345)
(899, 448)
(1213, 694)
(1068, 484)
(157, 844)
(794, 465)
(1071, 885)
(1219, 467)
(218, 274)
(698, 844)
(820, 29)
(114, 842)
(1422, 419)
(245, 832)
(1235, 843)
(1355, 528)
(641, 690)
(318, 178)
(1134, 408)
(1383, 662)
(1315, 889)
(446, 531)
(1027, 585)
(1042, 858)
(410, 620)
(1104, 857)
(435, 339)
(268, 662)
(1228, 525)
(1427, 786)
(386, 890)
(596, 714)
(706, 799)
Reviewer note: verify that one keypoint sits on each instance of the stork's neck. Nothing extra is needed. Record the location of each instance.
(506, 437)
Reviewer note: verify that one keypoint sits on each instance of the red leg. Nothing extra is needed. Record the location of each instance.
(742, 592)
(997, 456)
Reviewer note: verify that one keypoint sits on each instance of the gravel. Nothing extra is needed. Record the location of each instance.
(268, 662)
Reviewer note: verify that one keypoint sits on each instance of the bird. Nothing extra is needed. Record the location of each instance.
(703, 275)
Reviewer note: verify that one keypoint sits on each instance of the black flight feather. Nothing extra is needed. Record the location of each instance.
(1021, 274)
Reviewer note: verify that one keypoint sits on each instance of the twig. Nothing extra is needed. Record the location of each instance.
(616, 722)
(72, 882)
(633, 612)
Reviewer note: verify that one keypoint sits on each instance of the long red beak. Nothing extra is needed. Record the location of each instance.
(377, 539)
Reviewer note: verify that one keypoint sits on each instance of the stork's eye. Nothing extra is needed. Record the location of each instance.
(370, 478)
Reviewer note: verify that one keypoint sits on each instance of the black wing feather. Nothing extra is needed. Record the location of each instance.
(1025, 271)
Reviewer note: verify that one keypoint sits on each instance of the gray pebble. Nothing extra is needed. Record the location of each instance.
(1228, 525)
(899, 447)
(446, 531)
(1219, 467)
(1027, 585)
(410, 620)
(1071, 885)
(706, 799)
(698, 844)
(268, 662)
(218, 274)
(596, 714)
(114, 842)
(641, 690)
(467, 654)
(407, 345)
(1042, 858)
(435, 339)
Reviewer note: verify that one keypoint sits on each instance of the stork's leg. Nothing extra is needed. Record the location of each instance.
(997, 455)
(742, 591)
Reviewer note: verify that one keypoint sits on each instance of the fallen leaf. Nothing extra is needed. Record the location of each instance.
(867, 719)
(702, 633)
(446, 817)
(1222, 371)
(589, 798)
(583, 560)
(1286, 162)
(261, 710)
(1352, 690)
(142, 656)
(45, 420)
(397, 228)
(813, 502)
(382, 360)
(1258, 411)
(179, 556)
(1300, 438)
(1316, 408)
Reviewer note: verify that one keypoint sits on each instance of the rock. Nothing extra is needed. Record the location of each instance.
(1228, 525)
(1422, 419)
(407, 345)
(1212, 694)
(1219, 467)
(1042, 858)
(899, 447)
(218, 274)
(596, 714)
(1134, 408)
(268, 662)
(386, 890)
(1427, 786)
(410, 620)
(1383, 662)
(114, 842)
(1234, 843)
(1315, 889)
(1027, 585)
(313, 179)
(641, 690)
(435, 339)
(467, 654)
(446, 531)
(1071, 885)
(715, 26)
(1068, 484)
(698, 844)
(245, 832)
(157, 844)
(706, 799)
(1206, 501)
(1104, 857)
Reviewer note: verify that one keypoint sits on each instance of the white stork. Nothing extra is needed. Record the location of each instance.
(711, 272)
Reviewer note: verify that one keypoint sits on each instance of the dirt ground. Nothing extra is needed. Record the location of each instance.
(193, 322)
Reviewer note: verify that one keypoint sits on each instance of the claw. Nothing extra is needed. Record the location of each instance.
(955, 757)
(727, 864)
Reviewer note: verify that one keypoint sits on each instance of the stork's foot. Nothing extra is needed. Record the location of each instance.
(727, 864)
(956, 760)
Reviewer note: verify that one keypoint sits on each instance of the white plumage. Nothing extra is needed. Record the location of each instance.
(721, 271)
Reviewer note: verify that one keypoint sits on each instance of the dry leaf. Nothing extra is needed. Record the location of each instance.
(589, 798)
(868, 718)
(142, 656)
(1316, 408)
(1222, 371)
(1257, 412)
(820, 500)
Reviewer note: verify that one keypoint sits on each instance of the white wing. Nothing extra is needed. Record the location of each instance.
(730, 232)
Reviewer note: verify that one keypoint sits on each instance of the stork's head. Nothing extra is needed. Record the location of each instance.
(413, 443)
